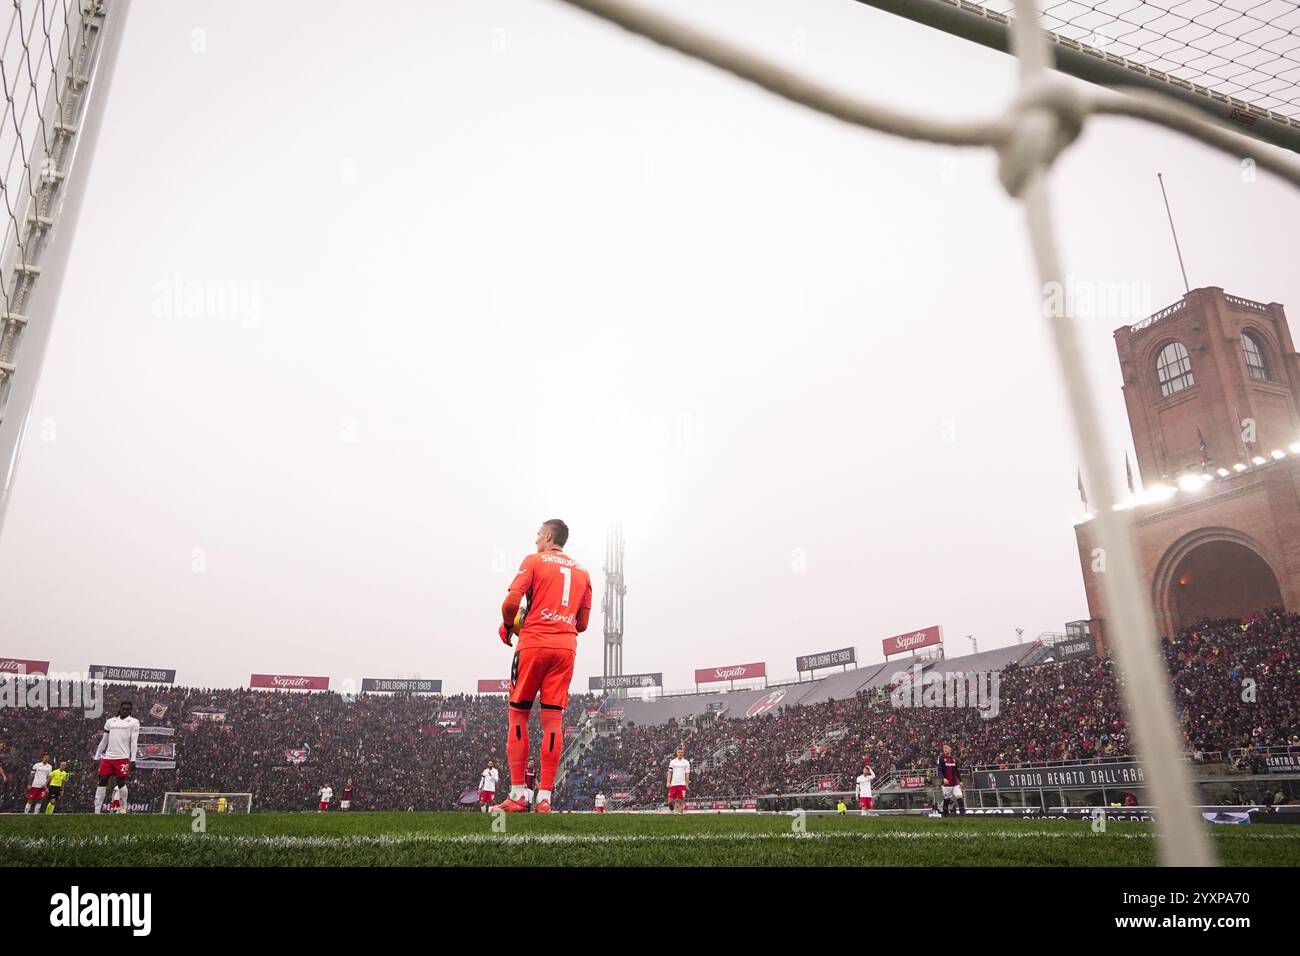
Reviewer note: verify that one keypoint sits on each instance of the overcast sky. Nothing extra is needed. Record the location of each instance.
(360, 295)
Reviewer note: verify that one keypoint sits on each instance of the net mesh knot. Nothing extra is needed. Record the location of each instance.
(1045, 118)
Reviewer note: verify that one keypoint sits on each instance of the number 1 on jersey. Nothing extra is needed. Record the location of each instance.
(568, 581)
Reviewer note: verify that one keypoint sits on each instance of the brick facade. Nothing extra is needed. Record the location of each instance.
(1232, 544)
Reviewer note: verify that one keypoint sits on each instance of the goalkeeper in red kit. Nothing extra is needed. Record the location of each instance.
(557, 592)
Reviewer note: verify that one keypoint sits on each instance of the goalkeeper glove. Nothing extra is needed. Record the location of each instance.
(506, 635)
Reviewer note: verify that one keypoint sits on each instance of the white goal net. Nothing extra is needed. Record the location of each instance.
(56, 58)
(1237, 60)
(1027, 136)
(215, 802)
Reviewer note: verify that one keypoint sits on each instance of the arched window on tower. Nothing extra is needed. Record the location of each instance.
(1255, 363)
(1174, 369)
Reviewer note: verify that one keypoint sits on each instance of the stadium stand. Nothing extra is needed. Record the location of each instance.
(665, 709)
(282, 746)
(240, 740)
(1056, 711)
(994, 660)
(847, 683)
(837, 686)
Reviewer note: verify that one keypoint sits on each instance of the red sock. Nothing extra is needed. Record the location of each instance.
(552, 745)
(517, 745)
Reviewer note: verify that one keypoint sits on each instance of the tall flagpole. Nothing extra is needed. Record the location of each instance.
(1186, 285)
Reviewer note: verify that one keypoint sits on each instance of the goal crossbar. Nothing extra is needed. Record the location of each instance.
(990, 28)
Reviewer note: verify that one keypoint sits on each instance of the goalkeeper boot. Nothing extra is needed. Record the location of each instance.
(510, 805)
(543, 806)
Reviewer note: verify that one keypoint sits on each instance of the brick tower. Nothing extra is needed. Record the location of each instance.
(1212, 387)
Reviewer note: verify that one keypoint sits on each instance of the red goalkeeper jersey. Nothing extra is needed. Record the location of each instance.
(556, 587)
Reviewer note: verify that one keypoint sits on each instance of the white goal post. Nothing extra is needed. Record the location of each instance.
(210, 802)
(56, 64)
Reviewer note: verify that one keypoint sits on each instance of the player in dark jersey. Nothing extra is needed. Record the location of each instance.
(949, 773)
(4, 774)
(530, 782)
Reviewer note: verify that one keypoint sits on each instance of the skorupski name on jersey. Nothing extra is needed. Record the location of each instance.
(563, 559)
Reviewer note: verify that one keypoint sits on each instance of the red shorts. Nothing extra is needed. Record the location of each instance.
(114, 768)
(865, 802)
(600, 809)
(486, 796)
(545, 669)
(324, 805)
(35, 793)
(676, 793)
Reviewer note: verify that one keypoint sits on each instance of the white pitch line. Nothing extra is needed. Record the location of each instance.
(507, 839)
(543, 839)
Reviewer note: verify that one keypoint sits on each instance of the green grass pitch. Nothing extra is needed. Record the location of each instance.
(454, 839)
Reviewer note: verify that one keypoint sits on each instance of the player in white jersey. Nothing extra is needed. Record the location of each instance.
(326, 795)
(116, 753)
(487, 786)
(864, 789)
(41, 771)
(679, 778)
(600, 802)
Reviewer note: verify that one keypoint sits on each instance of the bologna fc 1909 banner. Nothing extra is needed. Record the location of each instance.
(811, 662)
(624, 681)
(139, 675)
(400, 685)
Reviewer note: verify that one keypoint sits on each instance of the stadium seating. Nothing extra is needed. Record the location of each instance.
(390, 745)
(1050, 712)
(400, 758)
(848, 683)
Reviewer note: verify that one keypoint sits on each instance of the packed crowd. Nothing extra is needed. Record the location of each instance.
(1234, 683)
(1069, 711)
(281, 747)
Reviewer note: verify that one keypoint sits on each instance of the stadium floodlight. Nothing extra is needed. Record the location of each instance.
(1190, 482)
(56, 62)
(1278, 454)
(1223, 473)
(1294, 447)
(1239, 467)
(1157, 493)
(1259, 460)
